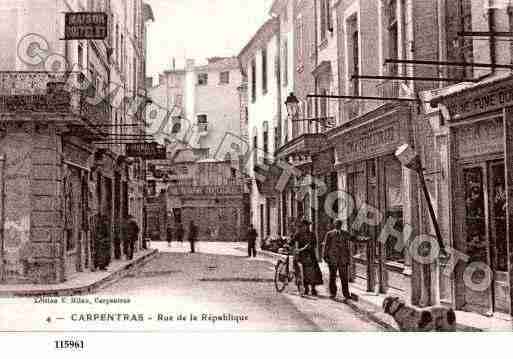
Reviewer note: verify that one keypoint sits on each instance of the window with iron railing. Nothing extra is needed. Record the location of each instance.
(202, 122)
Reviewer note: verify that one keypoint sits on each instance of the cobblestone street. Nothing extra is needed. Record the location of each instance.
(222, 280)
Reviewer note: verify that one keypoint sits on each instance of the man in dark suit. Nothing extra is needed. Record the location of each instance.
(193, 235)
(251, 238)
(131, 236)
(337, 254)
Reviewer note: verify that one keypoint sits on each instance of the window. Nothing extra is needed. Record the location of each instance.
(264, 71)
(300, 39)
(323, 105)
(176, 124)
(394, 205)
(202, 79)
(253, 80)
(285, 63)
(117, 44)
(325, 17)
(266, 142)
(178, 100)
(255, 149)
(224, 77)
(246, 114)
(80, 56)
(393, 36)
(353, 52)
(202, 119)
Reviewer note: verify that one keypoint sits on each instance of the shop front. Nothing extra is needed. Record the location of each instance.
(369, 172)
(475, 152)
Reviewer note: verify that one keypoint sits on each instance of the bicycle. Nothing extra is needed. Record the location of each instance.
(283, 275)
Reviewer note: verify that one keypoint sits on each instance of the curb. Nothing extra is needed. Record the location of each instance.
(85, 289)
(374, 311)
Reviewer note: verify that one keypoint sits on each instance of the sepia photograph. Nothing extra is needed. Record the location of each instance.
(255, 166)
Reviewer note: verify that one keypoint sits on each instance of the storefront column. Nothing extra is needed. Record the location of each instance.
(508, 161)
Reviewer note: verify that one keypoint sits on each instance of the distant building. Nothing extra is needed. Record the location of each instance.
(204, 106)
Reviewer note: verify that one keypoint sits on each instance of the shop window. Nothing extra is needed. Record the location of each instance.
(357, 185)
(498, 220)
(394, 206)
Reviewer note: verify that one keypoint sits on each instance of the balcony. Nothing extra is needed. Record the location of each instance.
(351, 109)
(51, 93)
(389, 88)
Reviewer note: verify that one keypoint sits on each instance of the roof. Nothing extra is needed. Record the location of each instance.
(263, 34)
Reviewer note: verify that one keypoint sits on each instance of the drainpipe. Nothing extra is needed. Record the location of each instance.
(2, 218)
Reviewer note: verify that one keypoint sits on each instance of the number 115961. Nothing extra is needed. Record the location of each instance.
(69, 344)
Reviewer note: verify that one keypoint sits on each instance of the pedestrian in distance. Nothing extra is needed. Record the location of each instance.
(169, 235)
(193, 235)
(103, 243)
(131, 236)
(179, 232)
(251, 237)
(305, 242)
(336, 253)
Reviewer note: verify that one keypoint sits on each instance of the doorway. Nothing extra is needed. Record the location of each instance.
(484, 227)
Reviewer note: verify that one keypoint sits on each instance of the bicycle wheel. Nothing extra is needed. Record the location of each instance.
(281, 278)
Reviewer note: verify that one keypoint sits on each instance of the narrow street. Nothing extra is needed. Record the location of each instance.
(220, 279)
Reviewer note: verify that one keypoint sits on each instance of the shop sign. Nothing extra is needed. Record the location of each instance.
(490, 98)
(85, 25)
(369, 142)
(480, 138)
(146, 150)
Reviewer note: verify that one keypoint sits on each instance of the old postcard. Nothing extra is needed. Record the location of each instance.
(217, 166)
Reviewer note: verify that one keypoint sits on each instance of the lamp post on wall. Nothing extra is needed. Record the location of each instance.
(411, 160)
(292, 104)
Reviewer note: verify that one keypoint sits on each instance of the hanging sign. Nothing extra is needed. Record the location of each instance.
(85, 25)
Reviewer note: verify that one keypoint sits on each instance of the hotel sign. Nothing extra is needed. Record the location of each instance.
(85, 25)
(146, 150)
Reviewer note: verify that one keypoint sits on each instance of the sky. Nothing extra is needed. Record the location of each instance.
(198, 29)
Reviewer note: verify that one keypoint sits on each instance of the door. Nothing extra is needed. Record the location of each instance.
(476, 236)
(498, 244)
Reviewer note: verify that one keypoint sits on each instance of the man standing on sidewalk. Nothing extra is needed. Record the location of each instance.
(337, 255)
(131, 236)
(251, 238)
(193, 235)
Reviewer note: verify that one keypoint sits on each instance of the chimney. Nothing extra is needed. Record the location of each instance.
(189, 65)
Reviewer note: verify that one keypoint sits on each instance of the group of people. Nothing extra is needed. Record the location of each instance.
(102, 243)
(335, 252)
(179, 232)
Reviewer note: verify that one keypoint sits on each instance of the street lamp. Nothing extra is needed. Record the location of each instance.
(292, 104)
(411, 160)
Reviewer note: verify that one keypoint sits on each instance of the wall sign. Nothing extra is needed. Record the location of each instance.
(85, 25)
(480, 138)
(146, 150)
(475, 101)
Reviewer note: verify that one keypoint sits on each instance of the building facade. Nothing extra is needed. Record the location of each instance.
(260, 63)
(62, 170)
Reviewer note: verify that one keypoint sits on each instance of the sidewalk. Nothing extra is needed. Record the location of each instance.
(370, 304)
(80, 283)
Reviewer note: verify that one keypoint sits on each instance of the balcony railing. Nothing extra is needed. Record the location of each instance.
(389, 88)
(51, 92)
(351, 109)
(202, 127)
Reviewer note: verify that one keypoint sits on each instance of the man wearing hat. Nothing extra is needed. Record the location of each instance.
(336, 253)
(305, 240)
